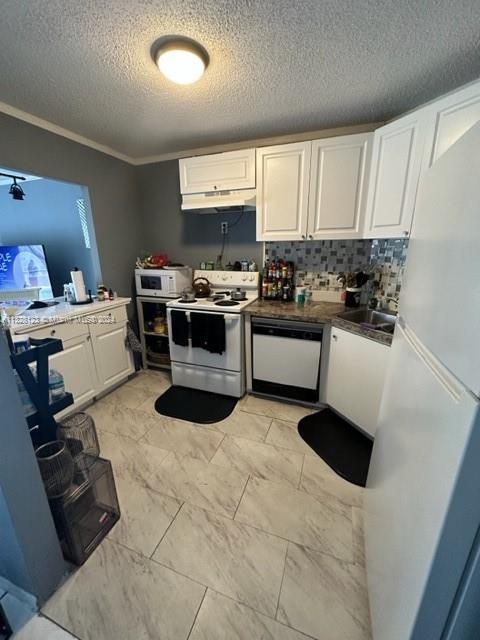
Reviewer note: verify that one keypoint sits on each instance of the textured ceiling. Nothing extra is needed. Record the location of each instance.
(276, 66)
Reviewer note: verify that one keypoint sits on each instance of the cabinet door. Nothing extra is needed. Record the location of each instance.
(283, 174)
(396, 162)
(356, 372)
(112, 358)
(338, 186)
(450, 118)
(219, 171)
(77, 365)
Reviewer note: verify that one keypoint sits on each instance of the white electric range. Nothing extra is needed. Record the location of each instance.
(197, 367)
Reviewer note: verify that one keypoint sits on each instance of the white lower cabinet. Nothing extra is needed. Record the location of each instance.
(356, 373)
(77, 365)
(113, 360)
(94, 357)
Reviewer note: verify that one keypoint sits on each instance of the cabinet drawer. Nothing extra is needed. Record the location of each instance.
(101, 323)
(64, 331)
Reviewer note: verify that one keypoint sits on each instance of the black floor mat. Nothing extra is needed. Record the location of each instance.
(343, 447)
(194, 405)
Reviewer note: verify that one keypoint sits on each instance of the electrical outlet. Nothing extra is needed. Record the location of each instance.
(224, 227)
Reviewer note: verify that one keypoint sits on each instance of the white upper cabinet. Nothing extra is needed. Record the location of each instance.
(395, 171)
(338, 186)
(218, 172)
(450, 118)
(283, 174)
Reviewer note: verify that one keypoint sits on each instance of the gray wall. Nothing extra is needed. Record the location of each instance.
(133, 208)
(111, 185)
(187, 237)
(30, 555)
(48, 215)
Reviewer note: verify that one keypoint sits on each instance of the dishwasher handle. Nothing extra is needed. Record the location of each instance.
(299, 333)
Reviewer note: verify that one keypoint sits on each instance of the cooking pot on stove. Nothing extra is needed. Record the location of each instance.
(201, 286)
(238, 294)
(188, 295)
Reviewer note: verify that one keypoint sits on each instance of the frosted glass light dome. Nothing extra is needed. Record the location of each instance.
(181, 62)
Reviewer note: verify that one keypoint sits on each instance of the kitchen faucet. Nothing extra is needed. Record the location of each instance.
(394, 300)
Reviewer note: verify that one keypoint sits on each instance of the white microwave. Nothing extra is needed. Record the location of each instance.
(163, 283)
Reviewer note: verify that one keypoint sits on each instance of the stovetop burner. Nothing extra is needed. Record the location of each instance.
(226, 303)
(187, 301)
(222, 293)
(214, 297)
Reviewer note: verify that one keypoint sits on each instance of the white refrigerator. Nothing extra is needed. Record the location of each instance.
(422, 503)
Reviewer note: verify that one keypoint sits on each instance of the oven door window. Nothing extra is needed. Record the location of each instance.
(151, 282)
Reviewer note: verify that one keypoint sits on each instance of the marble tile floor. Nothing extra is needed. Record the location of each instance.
(40, 628)
(235, 530)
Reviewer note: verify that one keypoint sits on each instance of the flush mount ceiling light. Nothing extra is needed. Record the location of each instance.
(16, 190)
(181, 60)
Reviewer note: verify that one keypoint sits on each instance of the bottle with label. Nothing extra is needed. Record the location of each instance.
(56, 385)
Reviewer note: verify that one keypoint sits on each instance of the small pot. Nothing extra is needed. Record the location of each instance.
(160, 325)
(188, 295)
(238, 294)
(201, 286)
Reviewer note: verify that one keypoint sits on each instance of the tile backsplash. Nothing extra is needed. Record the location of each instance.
(319, 262)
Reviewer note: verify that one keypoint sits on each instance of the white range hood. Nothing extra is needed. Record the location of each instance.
(220, 201)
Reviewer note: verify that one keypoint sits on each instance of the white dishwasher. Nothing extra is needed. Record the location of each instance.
(286, 358)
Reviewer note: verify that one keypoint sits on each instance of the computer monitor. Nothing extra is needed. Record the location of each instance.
(24, 267)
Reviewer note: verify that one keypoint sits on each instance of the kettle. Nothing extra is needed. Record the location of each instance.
(201, 286)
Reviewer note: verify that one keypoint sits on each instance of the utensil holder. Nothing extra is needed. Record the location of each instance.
(352, 297)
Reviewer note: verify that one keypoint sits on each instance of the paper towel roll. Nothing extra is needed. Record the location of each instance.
(78, 285)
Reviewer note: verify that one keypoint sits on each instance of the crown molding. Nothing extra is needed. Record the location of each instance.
(262, 142)
(60, 131)
(197, 151)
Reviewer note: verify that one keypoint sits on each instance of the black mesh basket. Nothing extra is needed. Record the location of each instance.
(56, 467)
(78, 431)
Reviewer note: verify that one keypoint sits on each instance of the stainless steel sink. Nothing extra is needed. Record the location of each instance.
(371, 318)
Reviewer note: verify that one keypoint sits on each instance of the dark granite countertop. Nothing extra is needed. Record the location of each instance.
(321, 312)
(313, 312)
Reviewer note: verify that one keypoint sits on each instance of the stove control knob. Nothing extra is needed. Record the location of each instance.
(251, 278)
(244, 277)
(225, 276)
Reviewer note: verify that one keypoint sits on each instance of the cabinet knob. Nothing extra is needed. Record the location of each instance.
(405, 233)
(53, 332)
(88, 338)
(310, 237)
(334, 337)
(303, 237)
